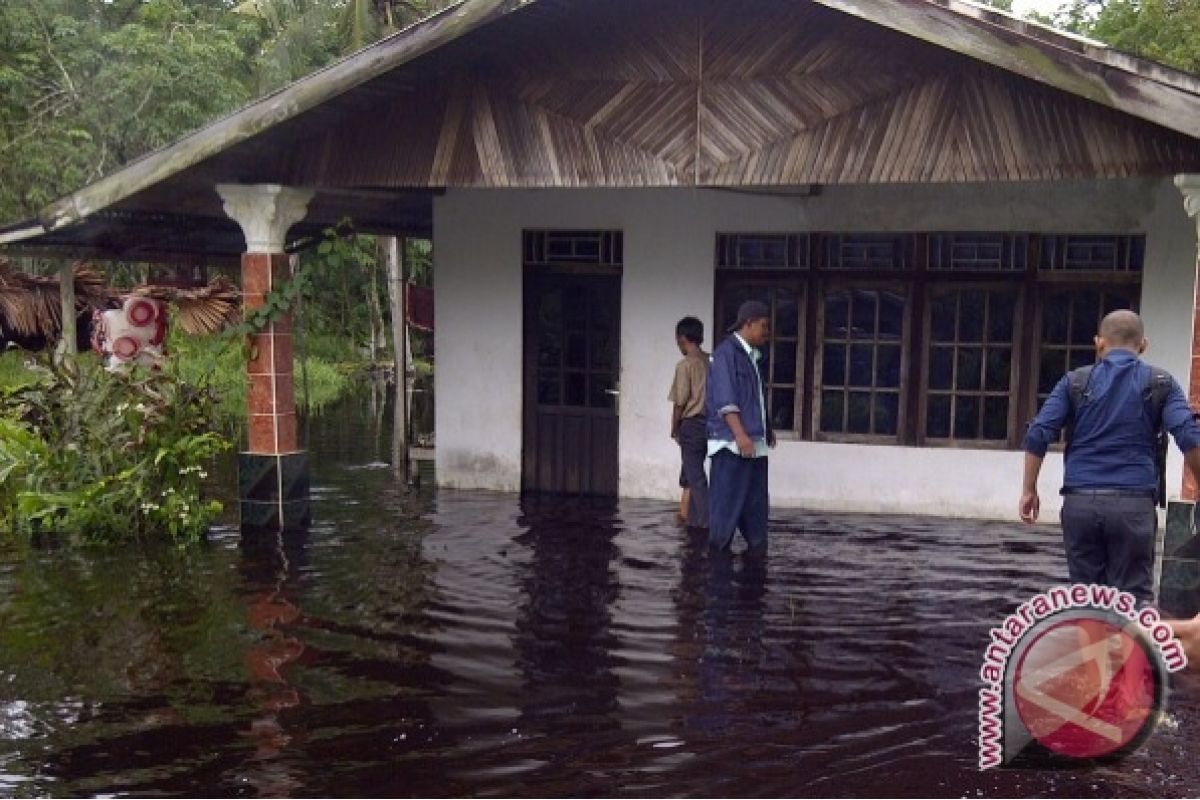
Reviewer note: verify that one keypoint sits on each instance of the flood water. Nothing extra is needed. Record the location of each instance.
(475, 644)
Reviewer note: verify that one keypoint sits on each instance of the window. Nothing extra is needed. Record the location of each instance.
(945, 338)
(862, 351)
(1070, 317)
(782, 364)
(971, 335)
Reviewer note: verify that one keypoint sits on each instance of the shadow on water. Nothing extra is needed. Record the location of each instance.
(476, 644)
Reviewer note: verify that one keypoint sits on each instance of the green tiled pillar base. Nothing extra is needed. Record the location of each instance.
(1179, 587)
(273, 491)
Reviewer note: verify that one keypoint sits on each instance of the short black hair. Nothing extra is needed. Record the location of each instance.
(691, 329)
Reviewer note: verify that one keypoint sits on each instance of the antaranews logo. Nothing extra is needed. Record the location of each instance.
(1076, 672)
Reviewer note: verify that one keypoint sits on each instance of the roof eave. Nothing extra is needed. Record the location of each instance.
(1109, 81)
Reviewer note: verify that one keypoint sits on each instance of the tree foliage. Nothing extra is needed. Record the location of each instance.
(1167, 31)
(86, 86)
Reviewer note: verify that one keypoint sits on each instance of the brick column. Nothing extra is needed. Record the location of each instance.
(272, 471)
(1190, 186)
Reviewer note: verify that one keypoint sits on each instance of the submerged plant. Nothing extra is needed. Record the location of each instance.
(104, 456)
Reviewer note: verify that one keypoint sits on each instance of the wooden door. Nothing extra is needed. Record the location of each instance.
(572, 350)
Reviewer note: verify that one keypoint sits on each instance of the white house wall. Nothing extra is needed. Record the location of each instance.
(669, 245)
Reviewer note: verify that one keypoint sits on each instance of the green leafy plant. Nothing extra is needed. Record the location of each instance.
(101, 456)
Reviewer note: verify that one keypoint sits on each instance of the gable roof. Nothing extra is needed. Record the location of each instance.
(279, 138)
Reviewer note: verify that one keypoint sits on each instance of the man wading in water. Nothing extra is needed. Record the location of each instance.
(739, 432)
(1113, 412)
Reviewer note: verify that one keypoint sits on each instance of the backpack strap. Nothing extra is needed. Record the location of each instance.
(1079, 391)
(1154, 396)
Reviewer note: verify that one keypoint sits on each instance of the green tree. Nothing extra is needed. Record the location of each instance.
(88, 85)
(1167, 31)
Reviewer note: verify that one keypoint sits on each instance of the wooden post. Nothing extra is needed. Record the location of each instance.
(66, 290)
(394, 257)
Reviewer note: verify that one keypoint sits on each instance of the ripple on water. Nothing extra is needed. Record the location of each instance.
(475, 644)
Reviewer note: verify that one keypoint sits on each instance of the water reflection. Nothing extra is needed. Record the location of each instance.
(471, 643)
(269, 564)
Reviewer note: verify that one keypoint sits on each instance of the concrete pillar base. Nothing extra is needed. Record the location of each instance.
(1179, 586)
(273, 491)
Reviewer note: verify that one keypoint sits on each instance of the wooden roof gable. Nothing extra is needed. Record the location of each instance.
(563, 93)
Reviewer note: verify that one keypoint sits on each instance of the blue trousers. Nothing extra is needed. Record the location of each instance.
(737, 500)
(1110, 541)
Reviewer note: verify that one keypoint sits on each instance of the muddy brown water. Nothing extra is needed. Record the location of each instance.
(475, 644)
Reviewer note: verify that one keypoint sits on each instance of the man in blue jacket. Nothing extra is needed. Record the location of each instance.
(1112, 411)
(739, 432)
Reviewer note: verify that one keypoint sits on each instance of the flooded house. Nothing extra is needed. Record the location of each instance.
(937, 201)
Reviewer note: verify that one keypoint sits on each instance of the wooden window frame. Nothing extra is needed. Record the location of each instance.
(1012, 440)
(919, 282)
(797, 281)
(845, 282)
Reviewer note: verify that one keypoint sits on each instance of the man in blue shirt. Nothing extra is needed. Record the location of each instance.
(739, 432)
(1108, 515)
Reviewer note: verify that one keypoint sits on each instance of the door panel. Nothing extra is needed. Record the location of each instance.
(572, 362)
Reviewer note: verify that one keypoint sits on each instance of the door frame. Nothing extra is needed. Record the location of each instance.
(530, 275)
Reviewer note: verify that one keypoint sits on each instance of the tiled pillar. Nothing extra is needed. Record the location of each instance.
(1179, 584)
(272, 471)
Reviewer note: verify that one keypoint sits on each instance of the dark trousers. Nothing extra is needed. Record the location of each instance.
(737, 500)
(1109, 540)
(693, 447)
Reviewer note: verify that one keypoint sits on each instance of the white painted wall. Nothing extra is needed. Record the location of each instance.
(668, 273)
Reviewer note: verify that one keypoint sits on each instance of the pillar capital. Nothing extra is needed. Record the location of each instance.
(1189, 185)
(265, 212)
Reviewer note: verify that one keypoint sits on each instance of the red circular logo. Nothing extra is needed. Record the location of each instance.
(1085, 687)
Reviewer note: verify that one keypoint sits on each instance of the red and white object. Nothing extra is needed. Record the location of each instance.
(134, 333)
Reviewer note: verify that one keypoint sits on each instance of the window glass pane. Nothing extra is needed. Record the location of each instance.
(966, 417)
(995, 418)
(575, 306)
(887, 413)
(832, 409)
(859, 416)
(999, 369)
(1002, 314)
(862, 315)
(833, 365)
(549, 351)
(1085, 317)
(604, 350)
(937, 419)
(861, 364)
(1082, 357)
(970, 316)
(783, 402)
(1055, 318)
(887, 366)
(942, 317)
(548, 390)
(783, 362)
(837, 315)
(576, 389)
(969, 376)
(891, 316)
(1053, 366)
(577, 350)
(941, 367)
(787, 314)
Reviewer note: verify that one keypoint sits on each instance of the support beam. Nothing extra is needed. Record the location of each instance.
(1179, 582)
(273, 470)
(1189, 185)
